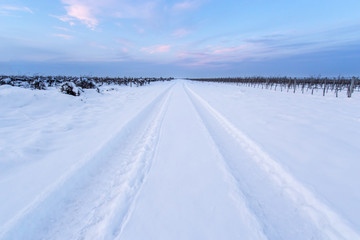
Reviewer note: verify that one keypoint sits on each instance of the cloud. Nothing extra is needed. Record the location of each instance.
(80, 11)
(63, 29)
(218, 55)
(64, 36)
(233, 48)
(7, 9)
(179, 33)
(156, 49)
(65, 18)
(90, 12)
(186, 5)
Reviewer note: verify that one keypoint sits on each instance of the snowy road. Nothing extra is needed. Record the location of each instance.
(178, 169)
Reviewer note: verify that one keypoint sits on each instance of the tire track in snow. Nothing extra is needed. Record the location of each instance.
(93, 198)
(284, 207)
(187, 195)
(117, 210)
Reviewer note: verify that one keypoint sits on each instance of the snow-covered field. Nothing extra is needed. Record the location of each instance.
(179, 160)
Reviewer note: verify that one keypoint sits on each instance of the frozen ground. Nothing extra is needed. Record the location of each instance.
(178, 160)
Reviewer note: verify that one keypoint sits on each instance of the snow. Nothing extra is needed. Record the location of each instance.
(315, 138)
(178, 160)
(186, 195)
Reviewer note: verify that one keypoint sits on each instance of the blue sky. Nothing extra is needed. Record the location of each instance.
(180, 37)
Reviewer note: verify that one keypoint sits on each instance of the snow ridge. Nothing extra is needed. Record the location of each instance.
(268, 187)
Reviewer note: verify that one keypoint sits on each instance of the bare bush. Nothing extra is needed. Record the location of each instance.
(65, 83)
(70, 88)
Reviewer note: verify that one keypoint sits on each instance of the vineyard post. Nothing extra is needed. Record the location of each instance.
(336, 90)
(351, 87)
(289, 84)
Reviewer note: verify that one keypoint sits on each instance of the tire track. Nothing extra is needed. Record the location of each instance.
(93, 198)
(186, 195)
(284, 207)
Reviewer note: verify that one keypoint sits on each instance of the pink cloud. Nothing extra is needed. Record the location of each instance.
(157, 49)
(89, 12)
(218, 55)
(188, 58)
(81, 12)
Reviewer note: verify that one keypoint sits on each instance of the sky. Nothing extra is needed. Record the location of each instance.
(180, 38)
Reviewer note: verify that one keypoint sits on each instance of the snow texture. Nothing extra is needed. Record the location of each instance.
(178, 160)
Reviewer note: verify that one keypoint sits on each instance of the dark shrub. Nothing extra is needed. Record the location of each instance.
(70, 88)
(85, 83)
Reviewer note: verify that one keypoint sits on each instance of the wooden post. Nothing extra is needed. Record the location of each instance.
(336, 91)
(351, 87)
